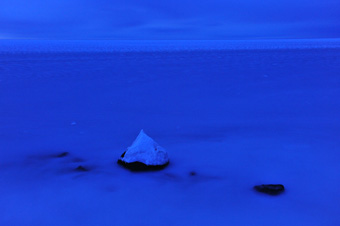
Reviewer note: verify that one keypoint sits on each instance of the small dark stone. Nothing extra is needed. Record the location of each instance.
(271, 189)
(63, 154)
(81, 168)
(140, 167)
(192, 173)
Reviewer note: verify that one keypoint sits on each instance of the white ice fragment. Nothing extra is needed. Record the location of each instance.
(145, 150)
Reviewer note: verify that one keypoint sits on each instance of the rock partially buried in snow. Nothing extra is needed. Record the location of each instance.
(81, 168)
(144, 154)
(271, 189)
(62, 155)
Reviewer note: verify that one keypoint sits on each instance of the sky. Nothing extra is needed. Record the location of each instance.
(169, 20)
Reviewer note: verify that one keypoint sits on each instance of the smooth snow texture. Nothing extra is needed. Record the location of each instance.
(144, 149)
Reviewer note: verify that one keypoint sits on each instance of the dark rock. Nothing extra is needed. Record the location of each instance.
(192, 173)
(140, 167)
(62, 155)
(271, 189)
(81, 168)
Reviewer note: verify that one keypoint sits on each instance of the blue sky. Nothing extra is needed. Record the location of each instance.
(177, 19)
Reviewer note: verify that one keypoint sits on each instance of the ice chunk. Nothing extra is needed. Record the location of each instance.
(143, 154)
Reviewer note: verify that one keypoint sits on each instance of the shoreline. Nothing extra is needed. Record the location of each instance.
(19, 45)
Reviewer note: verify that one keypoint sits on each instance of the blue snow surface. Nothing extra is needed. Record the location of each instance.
(231, 114)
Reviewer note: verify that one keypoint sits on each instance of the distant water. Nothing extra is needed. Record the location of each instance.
(198, 92)
(164, 45)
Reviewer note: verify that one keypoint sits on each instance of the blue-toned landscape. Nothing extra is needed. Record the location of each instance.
(169, 113)
(231, 114)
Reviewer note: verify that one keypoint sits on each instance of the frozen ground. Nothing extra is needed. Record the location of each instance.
(237, 117)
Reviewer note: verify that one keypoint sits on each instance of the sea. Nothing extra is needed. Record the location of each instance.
(236, 113)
